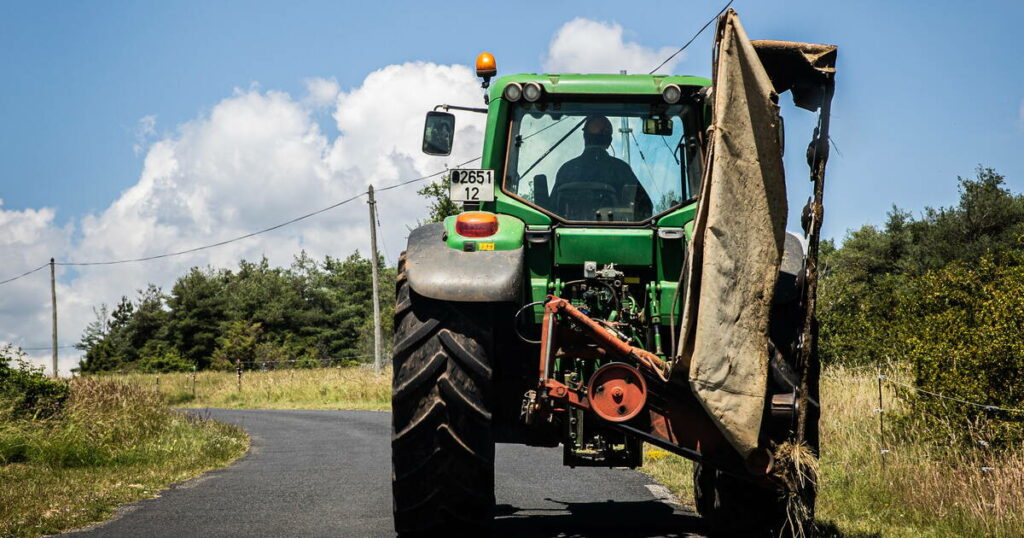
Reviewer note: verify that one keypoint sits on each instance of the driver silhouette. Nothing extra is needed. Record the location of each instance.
(607, 175)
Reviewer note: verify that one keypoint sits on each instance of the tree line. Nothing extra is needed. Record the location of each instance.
(312, 311)
(941, 294)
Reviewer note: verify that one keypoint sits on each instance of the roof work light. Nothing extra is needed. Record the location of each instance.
(672, 93)
(532, 91)
(513, 92)
(486, 67)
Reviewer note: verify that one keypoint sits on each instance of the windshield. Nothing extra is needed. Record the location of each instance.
(621, 162)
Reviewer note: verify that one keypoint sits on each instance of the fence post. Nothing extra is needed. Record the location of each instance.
(881, 422)
(238, 369)
(193, 381)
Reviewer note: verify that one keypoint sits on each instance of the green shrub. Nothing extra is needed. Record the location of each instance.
(238, 342)
(159, 357)
(962, 330)
(25, 391)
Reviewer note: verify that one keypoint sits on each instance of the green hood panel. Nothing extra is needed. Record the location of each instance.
(626, 247)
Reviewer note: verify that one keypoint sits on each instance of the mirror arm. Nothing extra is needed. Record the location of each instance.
(466, 108)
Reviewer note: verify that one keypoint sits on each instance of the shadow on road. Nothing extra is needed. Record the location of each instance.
(635, 519)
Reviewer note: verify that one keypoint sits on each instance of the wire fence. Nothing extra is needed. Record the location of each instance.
(888, 448)
(888, 380)
(336, 362)
(243, 369)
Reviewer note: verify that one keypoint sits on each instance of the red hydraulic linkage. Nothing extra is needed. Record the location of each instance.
(671, 418)
(599, 334)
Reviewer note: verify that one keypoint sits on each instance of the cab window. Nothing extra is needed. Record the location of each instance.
(588, 161)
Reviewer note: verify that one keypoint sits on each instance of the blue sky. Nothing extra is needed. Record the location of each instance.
(926, 91)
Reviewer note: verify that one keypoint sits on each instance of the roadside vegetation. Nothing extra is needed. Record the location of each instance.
(918, 488)
(349, 387)
(936, 304)
(71, 452)
(926, 484)
(940, 296)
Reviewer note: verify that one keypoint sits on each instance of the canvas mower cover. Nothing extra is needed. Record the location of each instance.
(734, 257)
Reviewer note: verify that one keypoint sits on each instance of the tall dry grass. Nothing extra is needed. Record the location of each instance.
(920, 487)
(349, 387)
(928, 482)
(112, 442)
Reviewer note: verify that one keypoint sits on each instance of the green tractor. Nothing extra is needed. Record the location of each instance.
(621, 274)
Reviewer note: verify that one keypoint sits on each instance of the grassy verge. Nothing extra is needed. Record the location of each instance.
(111, 443)
(923, 489)
(352, 387)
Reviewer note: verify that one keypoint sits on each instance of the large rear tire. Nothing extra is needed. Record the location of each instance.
(735, 507)
(442, 445)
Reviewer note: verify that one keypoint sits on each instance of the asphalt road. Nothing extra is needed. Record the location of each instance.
(327, 473)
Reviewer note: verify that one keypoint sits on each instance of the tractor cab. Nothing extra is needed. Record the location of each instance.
(586, 150)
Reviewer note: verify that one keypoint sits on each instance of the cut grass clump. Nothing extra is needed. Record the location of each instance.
(111, 443)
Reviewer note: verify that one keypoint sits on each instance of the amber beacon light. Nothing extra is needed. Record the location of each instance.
(486, 67)
(476, 224)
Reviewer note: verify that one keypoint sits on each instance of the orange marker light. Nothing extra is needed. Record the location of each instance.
(485, 66)
(476, 224)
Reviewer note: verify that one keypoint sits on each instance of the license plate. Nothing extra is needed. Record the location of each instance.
(472, 186)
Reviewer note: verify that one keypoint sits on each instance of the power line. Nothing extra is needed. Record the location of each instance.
(241, 237)
(43, 348)
(219, 243)
(435, 174)
(699, 32)
(40, 268)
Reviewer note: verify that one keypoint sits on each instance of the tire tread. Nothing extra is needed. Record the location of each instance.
(442, 440)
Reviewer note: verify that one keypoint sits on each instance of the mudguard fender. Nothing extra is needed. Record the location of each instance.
(440, 272)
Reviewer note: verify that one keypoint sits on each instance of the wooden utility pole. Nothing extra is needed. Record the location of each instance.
(53, 301)
(376, 288)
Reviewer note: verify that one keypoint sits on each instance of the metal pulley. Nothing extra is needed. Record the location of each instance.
(617, 392)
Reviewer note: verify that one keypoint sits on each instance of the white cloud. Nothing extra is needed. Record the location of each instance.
(255, 159)
(321, 92)
(588, 46)
(144, 131)
(28, 238)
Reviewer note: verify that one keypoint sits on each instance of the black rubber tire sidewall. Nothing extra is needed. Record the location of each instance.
(442, 438)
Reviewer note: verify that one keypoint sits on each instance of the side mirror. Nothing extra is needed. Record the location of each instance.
(438, 133)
